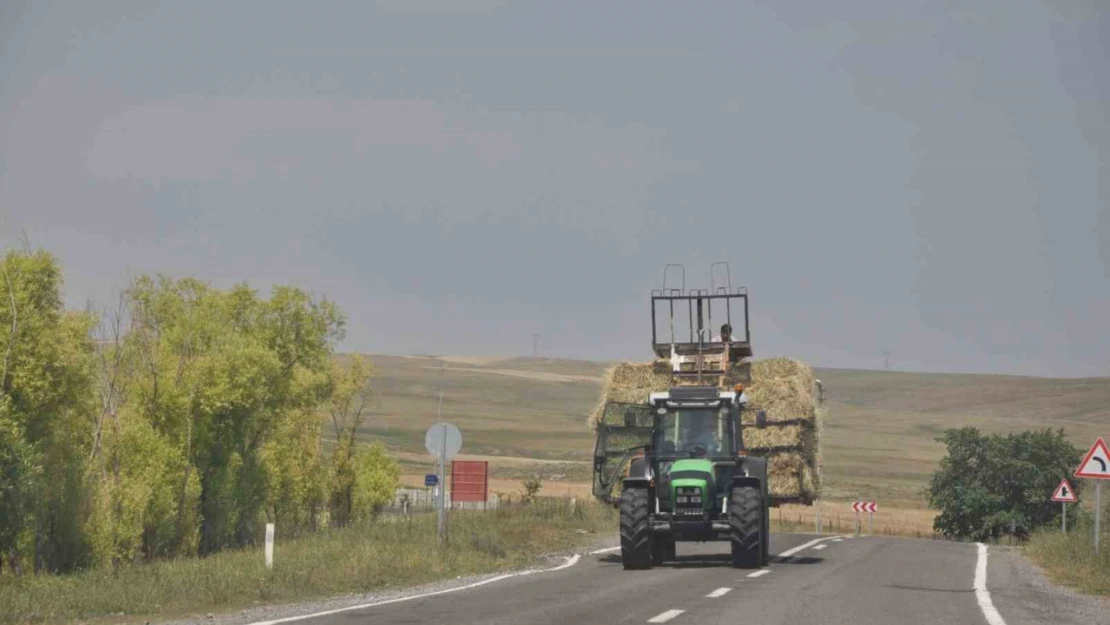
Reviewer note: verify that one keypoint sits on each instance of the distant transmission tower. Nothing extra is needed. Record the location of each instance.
(535, 346)
(886, 359)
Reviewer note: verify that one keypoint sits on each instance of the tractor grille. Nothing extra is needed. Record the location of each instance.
(688, 502)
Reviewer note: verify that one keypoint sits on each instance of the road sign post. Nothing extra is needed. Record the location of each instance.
(1098, 511)
(443, 440)
(1065, 494)
(1096, 466)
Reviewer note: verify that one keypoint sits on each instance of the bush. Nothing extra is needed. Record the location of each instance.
(991, 486)
(532, 488)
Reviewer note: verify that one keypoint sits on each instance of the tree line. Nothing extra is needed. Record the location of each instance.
(176, 422)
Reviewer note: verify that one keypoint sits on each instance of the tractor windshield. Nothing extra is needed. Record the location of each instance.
(694, 432)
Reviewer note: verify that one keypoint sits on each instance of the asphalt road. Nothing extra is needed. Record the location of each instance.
(838, 581)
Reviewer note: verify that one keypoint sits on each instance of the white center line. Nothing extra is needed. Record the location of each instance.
(819, 547)
(666, 616)
(605, 550)
(720, 592)
(759, 573)
(838, 540)
(982, 595)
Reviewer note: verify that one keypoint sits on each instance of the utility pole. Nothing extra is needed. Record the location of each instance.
(886, 359)
(442, 371)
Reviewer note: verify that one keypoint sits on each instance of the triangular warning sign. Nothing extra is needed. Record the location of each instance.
(1096, 464)
(1064, 492)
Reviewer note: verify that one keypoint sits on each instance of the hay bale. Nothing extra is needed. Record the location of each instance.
(783, 388)
(629, 383)
(772, 436)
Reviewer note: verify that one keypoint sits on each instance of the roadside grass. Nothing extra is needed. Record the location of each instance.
(1070, 558)
(392, 553)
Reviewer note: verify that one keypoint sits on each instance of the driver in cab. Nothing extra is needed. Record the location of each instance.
(698, 434)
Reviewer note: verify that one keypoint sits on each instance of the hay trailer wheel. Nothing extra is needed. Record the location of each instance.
(636, 539)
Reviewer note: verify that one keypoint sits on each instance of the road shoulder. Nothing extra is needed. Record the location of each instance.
(1024, 595)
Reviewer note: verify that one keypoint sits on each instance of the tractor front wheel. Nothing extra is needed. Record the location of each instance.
(636, 542)
(746, 526)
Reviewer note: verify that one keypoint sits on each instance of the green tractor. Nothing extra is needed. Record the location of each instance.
(688, 476)
(692, 482)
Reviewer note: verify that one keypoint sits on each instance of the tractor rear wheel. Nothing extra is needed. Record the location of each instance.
(636, 543)
(746, 523)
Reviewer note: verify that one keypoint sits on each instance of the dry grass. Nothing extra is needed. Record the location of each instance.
(1070, 558)
(838, 517)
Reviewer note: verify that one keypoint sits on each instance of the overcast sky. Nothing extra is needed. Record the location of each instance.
(459, 174)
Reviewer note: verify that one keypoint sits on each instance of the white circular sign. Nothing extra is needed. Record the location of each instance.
(443, 439)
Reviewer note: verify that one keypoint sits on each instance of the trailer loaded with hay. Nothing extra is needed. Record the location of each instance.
(698, 444)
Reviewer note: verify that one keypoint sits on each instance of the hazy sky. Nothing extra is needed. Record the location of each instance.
(458, 174)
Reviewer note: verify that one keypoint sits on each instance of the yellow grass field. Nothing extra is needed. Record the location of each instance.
(529, 417)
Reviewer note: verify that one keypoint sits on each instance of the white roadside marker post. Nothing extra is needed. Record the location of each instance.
(269, 545)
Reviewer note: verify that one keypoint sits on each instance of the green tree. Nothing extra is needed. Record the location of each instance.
(174, 424)
(990, 486)
(221, 386)
(349, 401)
(376, 477)
(46, 357)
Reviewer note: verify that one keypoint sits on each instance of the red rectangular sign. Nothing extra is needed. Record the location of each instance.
(469, 480)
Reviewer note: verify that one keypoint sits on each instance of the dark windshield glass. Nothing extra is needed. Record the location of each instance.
(701, 431)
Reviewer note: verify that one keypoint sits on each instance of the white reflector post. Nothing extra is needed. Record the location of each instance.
(269, 545)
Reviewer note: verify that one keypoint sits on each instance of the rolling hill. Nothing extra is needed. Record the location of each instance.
(528, 416)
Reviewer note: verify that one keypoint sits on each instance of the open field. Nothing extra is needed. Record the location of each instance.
(528, 416)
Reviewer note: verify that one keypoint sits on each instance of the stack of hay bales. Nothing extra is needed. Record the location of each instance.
(783, 388)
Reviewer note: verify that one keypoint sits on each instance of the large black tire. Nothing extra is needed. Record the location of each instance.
(746, 527)
(636, 543)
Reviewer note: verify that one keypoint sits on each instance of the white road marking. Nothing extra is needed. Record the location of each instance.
(982, 595)
(790, 552)
(720, 592)
(819, 547)
(666, 616)
(570, 561)
(759, 573)
(838, 540)
(605, 550)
